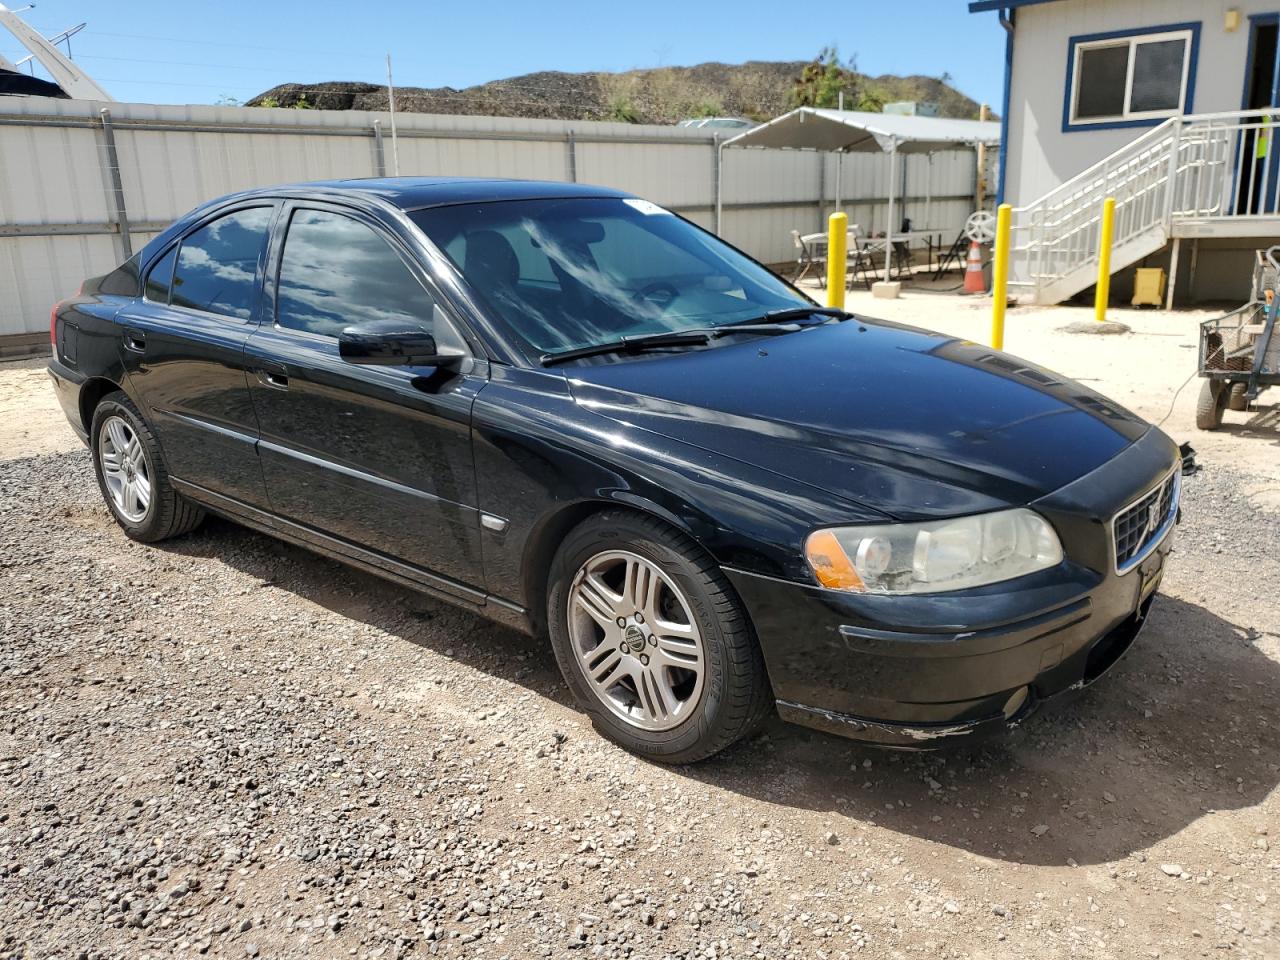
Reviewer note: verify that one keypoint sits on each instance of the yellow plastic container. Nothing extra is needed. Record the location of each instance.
(1148, 287)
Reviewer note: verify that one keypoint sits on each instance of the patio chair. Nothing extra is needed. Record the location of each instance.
(955, 256)
(861, 264)
(811, 256)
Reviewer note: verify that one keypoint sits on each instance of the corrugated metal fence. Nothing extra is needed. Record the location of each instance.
(80, 185)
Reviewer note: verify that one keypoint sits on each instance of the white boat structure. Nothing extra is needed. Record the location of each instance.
(73, 81)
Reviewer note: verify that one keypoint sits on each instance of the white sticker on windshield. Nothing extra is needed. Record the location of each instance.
(646, 207)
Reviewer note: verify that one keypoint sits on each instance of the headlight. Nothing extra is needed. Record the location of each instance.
(934, 556)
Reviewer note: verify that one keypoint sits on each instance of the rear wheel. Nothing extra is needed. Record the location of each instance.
(652, 640)
(1211, 405)
(132, 474)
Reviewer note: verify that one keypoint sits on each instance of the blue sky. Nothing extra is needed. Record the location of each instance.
(185, 52)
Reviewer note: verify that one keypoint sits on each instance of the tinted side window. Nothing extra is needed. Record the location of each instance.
(157, 288)
(218, 264)
(336, 271)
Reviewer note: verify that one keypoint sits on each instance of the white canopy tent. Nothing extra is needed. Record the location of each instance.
(852, 131)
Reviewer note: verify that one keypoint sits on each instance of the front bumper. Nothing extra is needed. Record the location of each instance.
(925, 671)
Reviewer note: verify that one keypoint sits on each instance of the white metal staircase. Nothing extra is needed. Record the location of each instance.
(1197, 175)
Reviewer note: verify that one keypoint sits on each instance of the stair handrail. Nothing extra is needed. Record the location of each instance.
(1151, 136)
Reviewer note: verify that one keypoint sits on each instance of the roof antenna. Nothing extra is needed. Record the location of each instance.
(391, 101)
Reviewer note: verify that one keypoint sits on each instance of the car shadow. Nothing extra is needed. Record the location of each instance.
(1184, 725)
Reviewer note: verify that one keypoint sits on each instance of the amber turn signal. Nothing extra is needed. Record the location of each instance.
(830, 563)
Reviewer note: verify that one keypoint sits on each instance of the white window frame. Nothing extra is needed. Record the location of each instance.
(1188, 38)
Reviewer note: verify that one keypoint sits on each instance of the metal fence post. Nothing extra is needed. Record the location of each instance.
(116, 195)
(822, 185)
(379, 153)
(719, 197)
(715, 178)
(571, 158)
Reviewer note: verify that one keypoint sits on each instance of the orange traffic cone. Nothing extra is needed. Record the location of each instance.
(973, 281)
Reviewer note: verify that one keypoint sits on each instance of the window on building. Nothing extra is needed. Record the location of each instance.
(1134, 77)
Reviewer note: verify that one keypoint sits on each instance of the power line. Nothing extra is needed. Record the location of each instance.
(176, 63)
(243, 46)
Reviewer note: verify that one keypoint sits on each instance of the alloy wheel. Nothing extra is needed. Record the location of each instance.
(124, 469)
(636, 639)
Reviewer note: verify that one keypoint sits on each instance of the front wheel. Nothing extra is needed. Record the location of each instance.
(652, 640)
(132, 474)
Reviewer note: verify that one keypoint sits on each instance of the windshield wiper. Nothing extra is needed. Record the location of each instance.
(799, 313)
(669, 338)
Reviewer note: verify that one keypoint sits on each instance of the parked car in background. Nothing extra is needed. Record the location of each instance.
(566, 408)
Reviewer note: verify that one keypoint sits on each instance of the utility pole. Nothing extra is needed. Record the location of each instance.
(391, 102)
(980, 181)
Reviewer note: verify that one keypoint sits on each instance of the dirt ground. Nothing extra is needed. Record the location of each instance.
(230, 747)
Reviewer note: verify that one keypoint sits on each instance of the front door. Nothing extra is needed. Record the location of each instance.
(1259, 157)
(379, 457)
(184, 349)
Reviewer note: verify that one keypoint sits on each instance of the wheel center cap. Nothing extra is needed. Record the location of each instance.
(634, 638)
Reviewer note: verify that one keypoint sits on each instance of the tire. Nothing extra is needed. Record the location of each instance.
(1211, 405)
(163, 512)
(1235, 397)
(692, 680)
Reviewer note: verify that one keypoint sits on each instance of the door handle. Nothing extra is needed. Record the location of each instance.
(274, 375)
(135, 340)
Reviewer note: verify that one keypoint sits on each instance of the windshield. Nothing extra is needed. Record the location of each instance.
(571, 273)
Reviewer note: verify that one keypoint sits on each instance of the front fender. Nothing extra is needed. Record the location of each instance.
(540, 456)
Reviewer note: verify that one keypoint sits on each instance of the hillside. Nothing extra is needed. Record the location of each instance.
(756, 89)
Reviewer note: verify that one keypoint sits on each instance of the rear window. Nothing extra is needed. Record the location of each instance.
(217, 268)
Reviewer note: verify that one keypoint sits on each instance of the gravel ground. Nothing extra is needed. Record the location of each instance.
(227, 746)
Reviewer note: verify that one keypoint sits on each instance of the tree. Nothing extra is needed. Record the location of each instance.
(822, 81)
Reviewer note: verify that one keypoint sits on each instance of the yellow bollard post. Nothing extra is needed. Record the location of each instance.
(837, 244)
(1000, 275)
(1105, 233)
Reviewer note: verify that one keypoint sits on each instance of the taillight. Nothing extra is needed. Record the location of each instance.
(53, 328)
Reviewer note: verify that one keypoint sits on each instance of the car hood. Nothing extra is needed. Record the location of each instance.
(910, 423)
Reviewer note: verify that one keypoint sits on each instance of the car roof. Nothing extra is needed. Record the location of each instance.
(403, 193)
(415, 193)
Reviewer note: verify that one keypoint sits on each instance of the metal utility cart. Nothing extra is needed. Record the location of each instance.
(1239, 352)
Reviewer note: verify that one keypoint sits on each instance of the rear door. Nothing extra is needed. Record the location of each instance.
(183, 345)
(375, 456)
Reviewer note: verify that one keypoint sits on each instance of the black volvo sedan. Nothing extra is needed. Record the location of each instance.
(570, 410)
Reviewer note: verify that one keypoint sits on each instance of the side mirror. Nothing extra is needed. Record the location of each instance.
(393, 343)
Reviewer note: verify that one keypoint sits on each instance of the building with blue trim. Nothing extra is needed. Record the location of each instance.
(1092, 83)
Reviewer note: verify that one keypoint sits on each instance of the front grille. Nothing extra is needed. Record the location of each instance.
(1137, 526)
